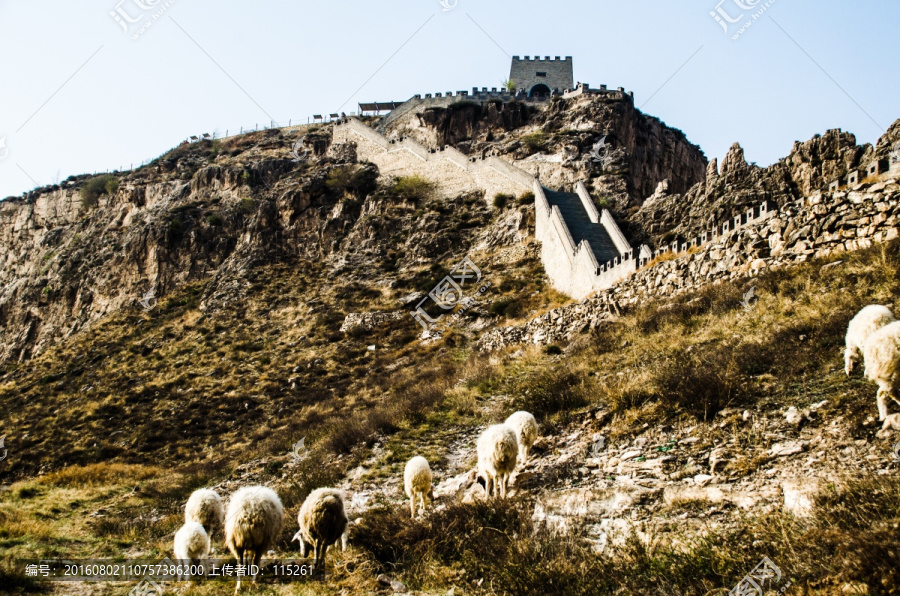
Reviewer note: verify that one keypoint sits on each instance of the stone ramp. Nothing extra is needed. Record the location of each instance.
(454, 172)
(580, 226)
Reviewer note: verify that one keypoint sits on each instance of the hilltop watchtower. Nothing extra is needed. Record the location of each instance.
(538, 76)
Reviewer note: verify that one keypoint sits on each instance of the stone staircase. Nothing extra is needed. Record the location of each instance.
(580, 225)
(454, 172)
(582, 249)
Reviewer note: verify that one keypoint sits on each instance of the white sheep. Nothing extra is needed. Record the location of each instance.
(191, 545)
(417, 481)
(205, 507)
(882, 359)
(323, 521)
(526, 429)
(866, 322)
(497, 451)
(252, 524)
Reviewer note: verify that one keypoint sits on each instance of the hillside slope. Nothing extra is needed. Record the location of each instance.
(683, 438)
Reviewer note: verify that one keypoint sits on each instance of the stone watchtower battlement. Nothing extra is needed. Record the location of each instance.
(537, 76)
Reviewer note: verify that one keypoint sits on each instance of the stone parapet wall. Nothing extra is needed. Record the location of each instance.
(823, 224)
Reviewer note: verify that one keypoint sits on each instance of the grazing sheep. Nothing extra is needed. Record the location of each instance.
(866, 322)
(205, 507)
(497, 451)
(882, 358)
(191, 545)
(323, 522)
(417, 481)
(526, 429)
(252, 524)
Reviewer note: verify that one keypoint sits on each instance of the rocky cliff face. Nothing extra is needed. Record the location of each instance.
(217, 212)
(554, 141)
(734, 185)
(67, 264)
(466, 122)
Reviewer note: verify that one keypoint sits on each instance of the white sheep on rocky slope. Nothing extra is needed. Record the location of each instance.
(526, 429)
(881, 354)
(417, 482)
(497, 451)
(866, 322)
(252, 524)
(191, 545)
(205, 507)
(323, 521)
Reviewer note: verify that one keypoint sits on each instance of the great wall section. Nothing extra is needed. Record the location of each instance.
(823, 224)
(584, 253)
(583, 249)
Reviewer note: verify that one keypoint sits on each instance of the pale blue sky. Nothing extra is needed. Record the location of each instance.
(134, 99)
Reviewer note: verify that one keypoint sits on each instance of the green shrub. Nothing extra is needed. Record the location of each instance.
(501, 200)
(215, 219)
(98, 186)
(351, 179)
(701, 381)
(535, 142)
(604, 203)
(112, 185)
(549, 391)
(507, 307)
(526, 198)
(413, 188)
(247, 205)
(176, 228)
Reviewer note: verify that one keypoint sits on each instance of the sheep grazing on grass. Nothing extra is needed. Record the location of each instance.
(417, 481)
(205, 507)
(526, 429)
(323, 521)
(252, 524)
(866, 322)
(497, 452)
(882, 358)
(191, 545)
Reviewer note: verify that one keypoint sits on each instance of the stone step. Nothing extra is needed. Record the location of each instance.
(580, 226)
